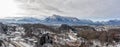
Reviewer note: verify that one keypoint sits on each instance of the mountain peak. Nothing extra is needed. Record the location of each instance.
(61, 17)
(54, 16)
(57, 19)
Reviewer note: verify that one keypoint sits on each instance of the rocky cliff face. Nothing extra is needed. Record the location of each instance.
(3, 28)
(46, 38)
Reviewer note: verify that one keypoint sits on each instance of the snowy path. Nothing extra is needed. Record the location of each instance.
(6, 44)
(26, 45)
(20, 44)
(16, 44)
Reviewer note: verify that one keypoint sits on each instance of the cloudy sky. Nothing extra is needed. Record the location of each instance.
(82, 9)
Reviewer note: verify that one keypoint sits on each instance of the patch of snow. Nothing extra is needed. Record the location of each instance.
(26, 45)
(71, 37)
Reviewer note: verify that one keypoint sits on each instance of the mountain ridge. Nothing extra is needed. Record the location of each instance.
(57, 19)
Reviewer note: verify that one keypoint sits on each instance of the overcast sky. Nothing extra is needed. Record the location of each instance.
(82, 9)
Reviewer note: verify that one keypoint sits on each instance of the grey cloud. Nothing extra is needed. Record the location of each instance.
(85, 9)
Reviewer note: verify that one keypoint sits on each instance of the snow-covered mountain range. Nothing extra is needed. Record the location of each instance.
(56, 19)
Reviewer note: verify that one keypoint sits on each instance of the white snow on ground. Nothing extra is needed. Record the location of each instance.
(18, 44)
(97, 43)
(25, 44)
(71, 37)
(118, 45)
(16, 38)
(10, 45)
